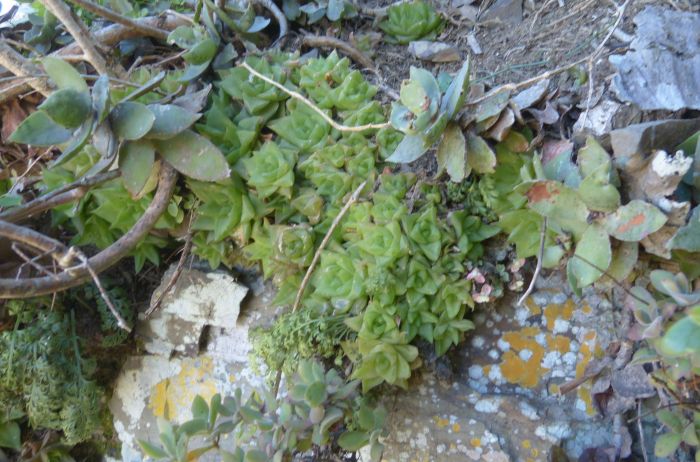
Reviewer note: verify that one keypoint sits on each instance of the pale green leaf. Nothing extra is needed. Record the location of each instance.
(131, 120)
(39, 130)
(480, 157)
(63, 74)
(170, 120)
(451, 154)
(592, 256)
(136, 160)
(194, 156)
(634, 221)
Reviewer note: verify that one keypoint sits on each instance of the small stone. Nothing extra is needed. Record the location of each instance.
(438, 52)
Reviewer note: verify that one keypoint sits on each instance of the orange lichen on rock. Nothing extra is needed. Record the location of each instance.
(514, 368)
(555, 311)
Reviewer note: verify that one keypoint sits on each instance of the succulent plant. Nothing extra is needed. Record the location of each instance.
(408, 21)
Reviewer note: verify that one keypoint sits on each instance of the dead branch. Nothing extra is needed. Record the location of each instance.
(596, 54)
(23, 68)
(80, 33)
(23, 288)
(144, 29)
(319, 111)
(353, 198)
(109, 36)
(56, 197)
(279, 17)
(173, 279)
(538, 268)
(324, 41)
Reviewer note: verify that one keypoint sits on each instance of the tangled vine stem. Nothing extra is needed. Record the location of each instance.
(319, 111)
(143, 28)
(109, 36)
(31, 287)
(80, 33)
(59, 196)
(322, 41)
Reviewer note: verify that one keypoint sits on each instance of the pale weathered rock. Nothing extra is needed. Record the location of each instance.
(438, 52)
(662, 69)
(504, 403)
(204, 313)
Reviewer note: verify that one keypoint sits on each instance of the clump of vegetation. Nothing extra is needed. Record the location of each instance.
(45, 377)
(408, 21)
(265, 427)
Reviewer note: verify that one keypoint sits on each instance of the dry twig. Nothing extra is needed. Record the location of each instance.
(279, 17)
(596, 54)
(22, 67)
(145, 29)
(80, 33)
(109, 36)
(30, 287)
(175, 276)
(324, 41)
(56, 197)
(642, 442)
(319, 111)
(353, 198)
(538, 268)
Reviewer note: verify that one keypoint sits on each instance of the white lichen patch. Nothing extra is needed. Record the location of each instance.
(488, 405)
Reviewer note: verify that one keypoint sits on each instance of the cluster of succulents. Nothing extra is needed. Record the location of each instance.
(267, 428)
(408, 21)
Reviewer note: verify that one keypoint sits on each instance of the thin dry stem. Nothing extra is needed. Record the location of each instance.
(173, 279)
(22, 68)
(324, 41)
(109, 36)
(145, 29)
(319, 111)
(307, 277)
(279, 17)
(538, 268)
(594, 57)
(80, 33)
(30, 287)
(56, 197)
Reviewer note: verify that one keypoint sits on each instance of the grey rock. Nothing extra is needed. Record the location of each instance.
(438, 52)
(662, 69)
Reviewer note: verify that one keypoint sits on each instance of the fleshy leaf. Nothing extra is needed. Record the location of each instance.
(201, 53)
(634, 221)
(596, 191)
(592, 256)
(63, 74)
(67, 107)
(480, 157)
(681, 338)
(170, 120)
(39, 130)
(131, 120)
(10, 436)
(136, 162)
(451, 154)
(688, 237)
(558, 203)
(408, 150)
(194, 156)
(353, 440)
(454, 96)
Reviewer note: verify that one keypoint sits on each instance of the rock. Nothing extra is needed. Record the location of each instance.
(504, 403)
(531, 95)
(474, 43)
(662, 69)
(196, 344)
(631, 144)
(507, 11)
(438, 52)
(197, 300)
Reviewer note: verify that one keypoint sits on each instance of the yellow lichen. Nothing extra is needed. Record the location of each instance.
(476, 442)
